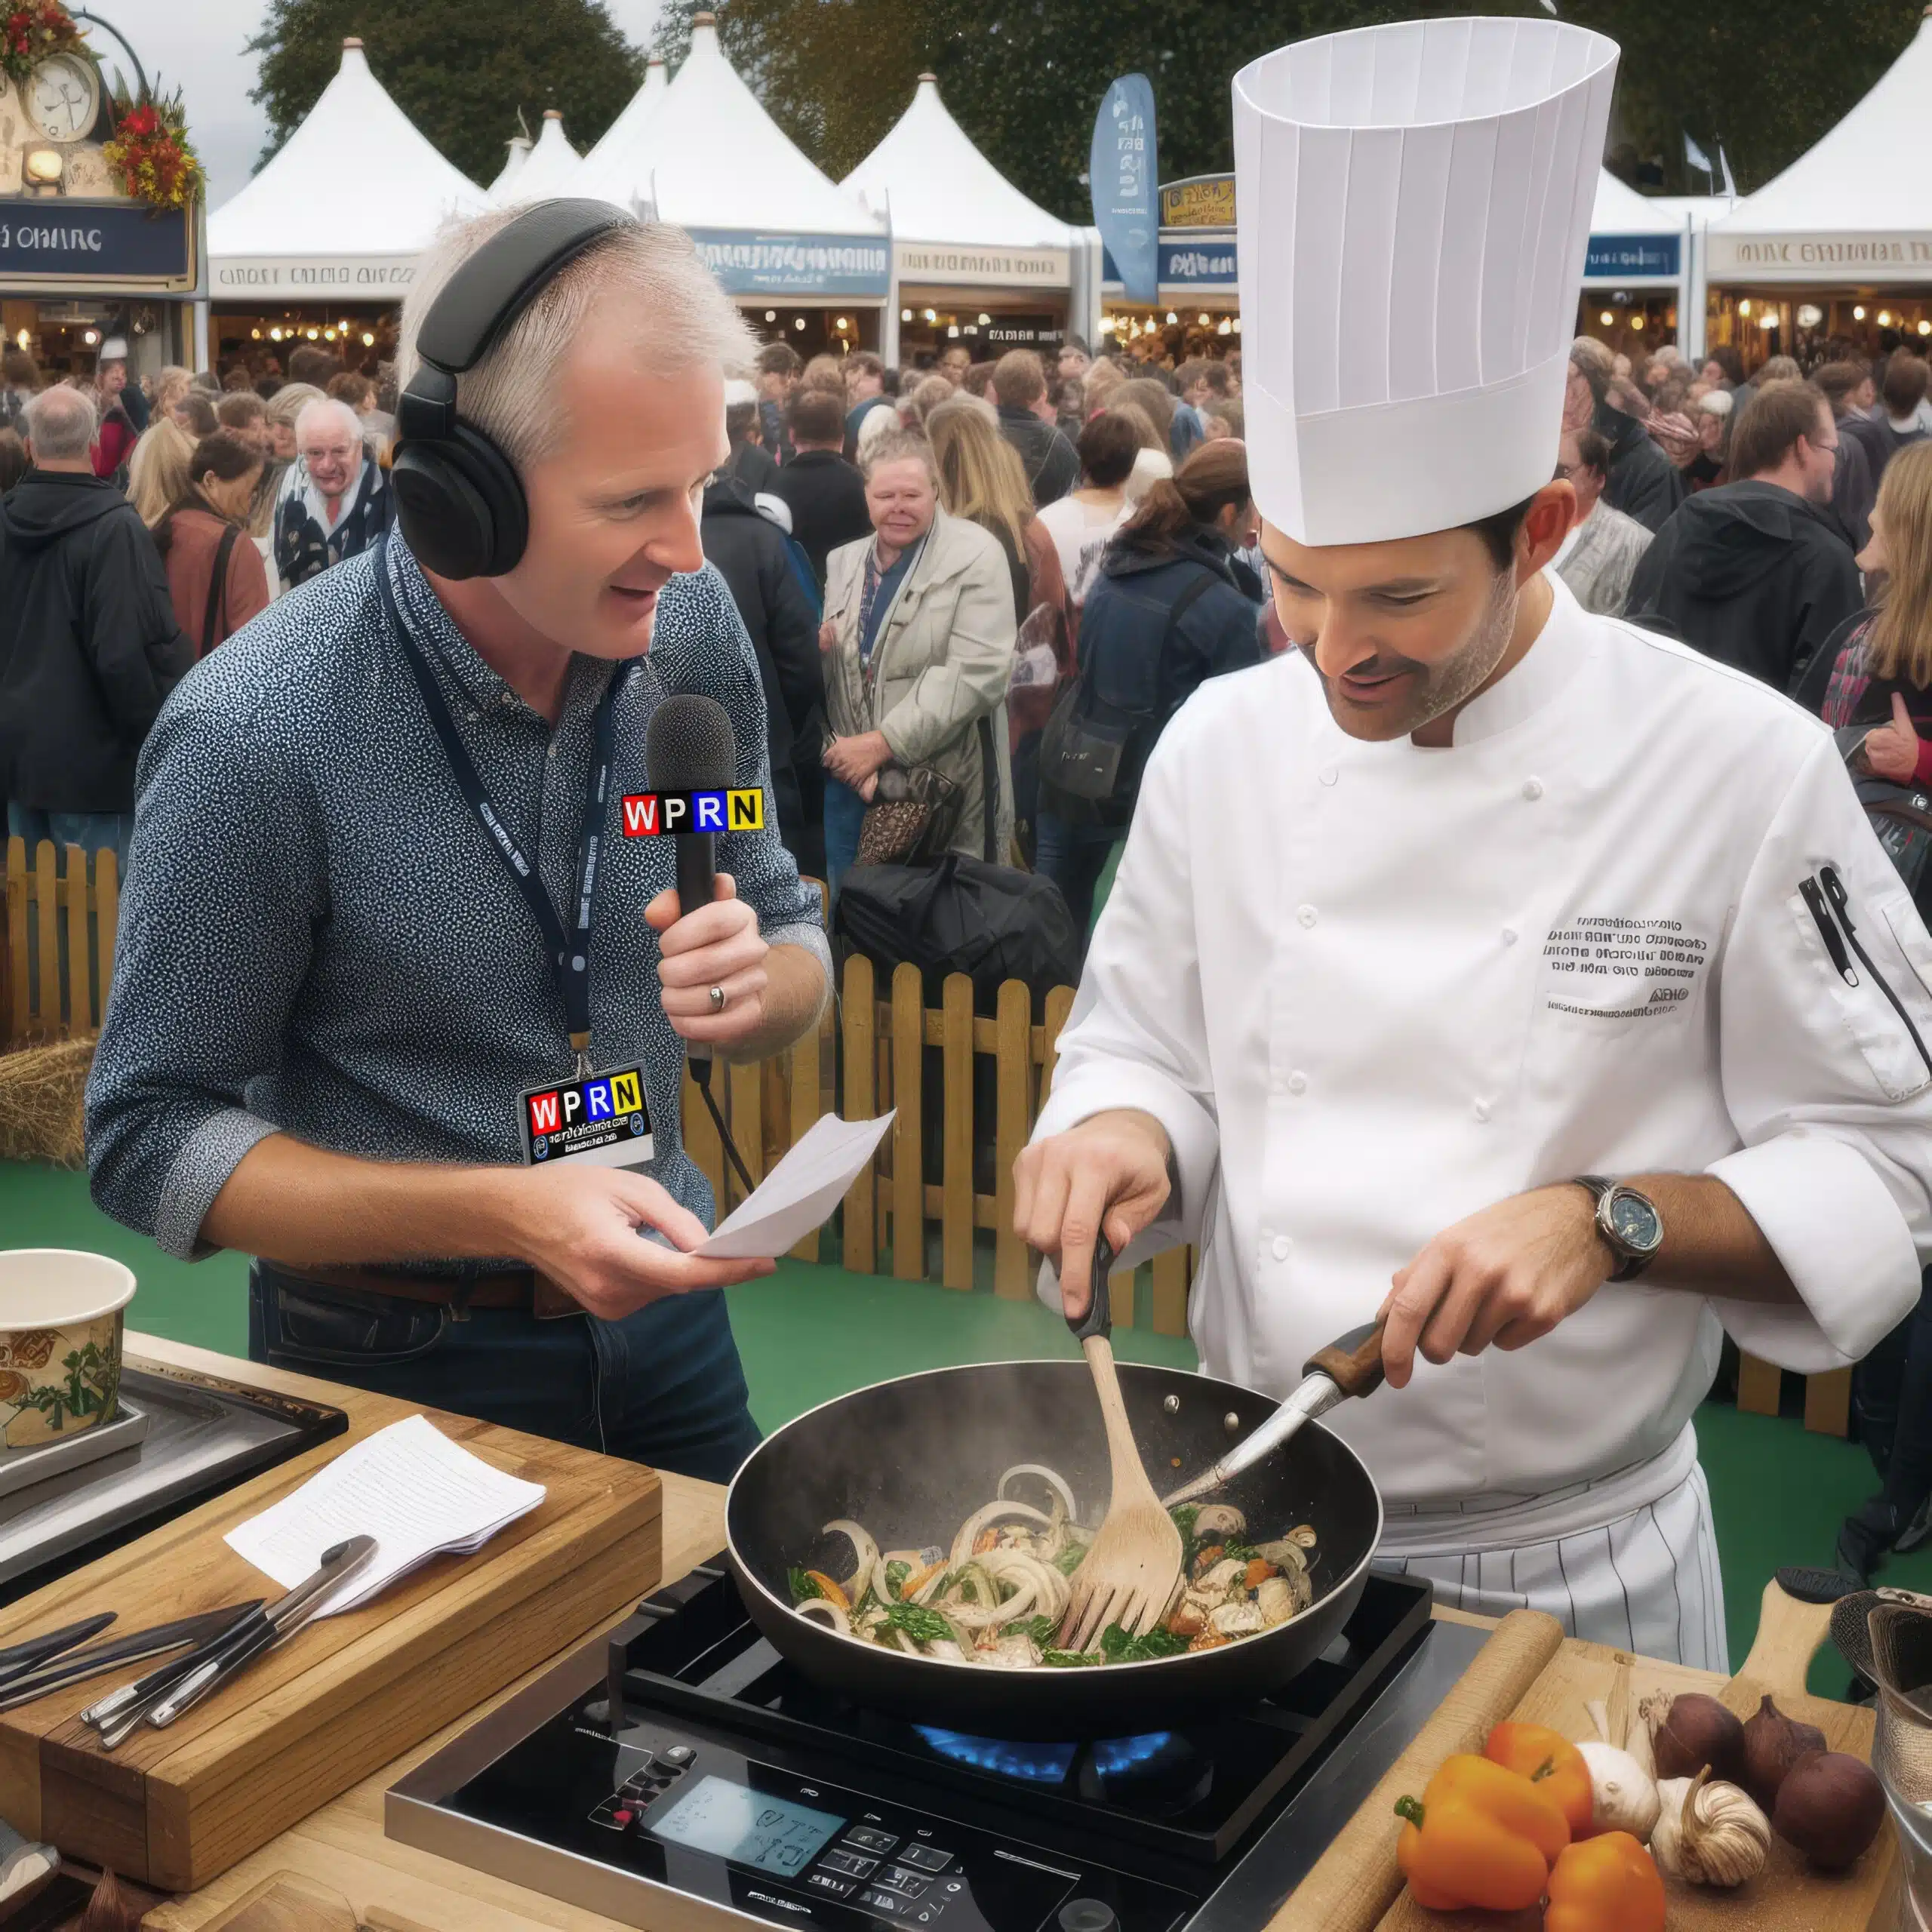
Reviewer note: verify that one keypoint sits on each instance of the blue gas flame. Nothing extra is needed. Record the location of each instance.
(1113, 1757)
(1040, 1764)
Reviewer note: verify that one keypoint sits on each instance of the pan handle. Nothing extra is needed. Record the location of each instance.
(1099, 1319)
(1353, 1361)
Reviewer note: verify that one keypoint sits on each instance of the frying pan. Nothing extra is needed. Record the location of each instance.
(912, 1459)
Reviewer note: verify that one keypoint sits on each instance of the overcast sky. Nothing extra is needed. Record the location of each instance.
(196, 45)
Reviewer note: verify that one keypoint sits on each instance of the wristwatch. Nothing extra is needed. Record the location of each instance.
(1632, 1227)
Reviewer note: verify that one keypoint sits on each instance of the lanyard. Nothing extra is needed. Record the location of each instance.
(570, 952)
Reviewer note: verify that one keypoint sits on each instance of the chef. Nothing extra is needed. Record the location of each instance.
(1500, 969)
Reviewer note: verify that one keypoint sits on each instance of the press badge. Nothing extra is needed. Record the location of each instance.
(601, 1120)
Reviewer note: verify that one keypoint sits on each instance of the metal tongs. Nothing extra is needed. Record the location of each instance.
(1351, 1365)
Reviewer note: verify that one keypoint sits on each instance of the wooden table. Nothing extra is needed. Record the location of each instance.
(340, 1851)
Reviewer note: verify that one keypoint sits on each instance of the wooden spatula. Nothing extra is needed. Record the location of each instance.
(1133, 1566)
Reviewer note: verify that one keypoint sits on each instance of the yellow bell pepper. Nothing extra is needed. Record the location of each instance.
(1608, 1883)
(1548, 1758)
(1481, 1835)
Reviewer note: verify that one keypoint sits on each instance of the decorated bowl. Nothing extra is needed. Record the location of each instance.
(61, 1315)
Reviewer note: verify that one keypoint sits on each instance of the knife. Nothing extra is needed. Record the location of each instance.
(276, 1627)
(117, 1715)
(1350, 1366)
(189, 1631)
(17, 1659)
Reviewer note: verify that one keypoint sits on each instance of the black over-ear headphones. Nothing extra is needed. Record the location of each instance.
(459, 499)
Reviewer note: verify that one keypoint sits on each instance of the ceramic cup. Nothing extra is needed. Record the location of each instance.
(61, 1315)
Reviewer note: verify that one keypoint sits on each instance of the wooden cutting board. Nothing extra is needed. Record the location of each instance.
(1786, 1895)
(172, 1808)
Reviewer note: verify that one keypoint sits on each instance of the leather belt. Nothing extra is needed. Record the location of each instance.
(502, 1287)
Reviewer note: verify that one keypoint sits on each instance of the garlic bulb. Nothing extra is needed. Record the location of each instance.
(1710, 1834)
(1622, 1797)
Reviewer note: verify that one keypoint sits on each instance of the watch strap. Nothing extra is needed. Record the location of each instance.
(1629, 1263)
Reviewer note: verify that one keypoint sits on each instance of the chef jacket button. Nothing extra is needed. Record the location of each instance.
(1482, 1110)
(1509, 935)
(1305, 914)
(1279, 1247)
(1533, 789)
(1328, 774)
(1297, 1083)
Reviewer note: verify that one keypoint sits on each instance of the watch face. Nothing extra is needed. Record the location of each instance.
(62, 96)
(1635, 1222)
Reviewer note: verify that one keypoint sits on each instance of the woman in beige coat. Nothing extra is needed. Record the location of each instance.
(919, 642)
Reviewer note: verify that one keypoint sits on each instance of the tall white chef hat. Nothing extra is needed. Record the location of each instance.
(1414, 205)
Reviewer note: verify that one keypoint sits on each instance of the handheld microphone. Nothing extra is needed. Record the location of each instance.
(688, 747)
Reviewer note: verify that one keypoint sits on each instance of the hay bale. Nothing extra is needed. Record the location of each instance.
(42, 1092)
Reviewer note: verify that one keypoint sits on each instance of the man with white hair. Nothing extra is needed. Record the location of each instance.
(393, 928)
(335, 500)
(89, 646)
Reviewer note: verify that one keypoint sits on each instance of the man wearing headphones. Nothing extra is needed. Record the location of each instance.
(394, 982)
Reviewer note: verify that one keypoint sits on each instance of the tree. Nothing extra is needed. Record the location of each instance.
(461, 69)
(1024, 77)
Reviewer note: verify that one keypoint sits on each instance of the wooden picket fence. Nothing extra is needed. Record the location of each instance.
(58, 963)
(54, 975)
(881, 1046)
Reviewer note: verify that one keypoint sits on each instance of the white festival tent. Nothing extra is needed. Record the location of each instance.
(519, 152)
(957, 222)
(552, 163)
(707, 157)
(1853, 210)
(345, 207)
(623, 131)
(1649, 243)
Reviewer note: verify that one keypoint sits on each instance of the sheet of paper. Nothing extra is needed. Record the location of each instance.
(409, 1486)
(800, 1191)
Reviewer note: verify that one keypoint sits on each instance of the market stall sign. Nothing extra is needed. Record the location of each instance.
(993, 267)
(301, 277)
(1188, 262)
(1201, 200)
(1005, 332)
(1821, 257)
(795, 264)
(1622, 257)
(77, 243)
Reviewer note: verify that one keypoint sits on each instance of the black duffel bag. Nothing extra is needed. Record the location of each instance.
(961, 915)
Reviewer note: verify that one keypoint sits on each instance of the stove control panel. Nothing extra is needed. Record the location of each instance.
(705, 1820)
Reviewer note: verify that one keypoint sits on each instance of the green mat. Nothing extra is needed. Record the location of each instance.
(808, 1333)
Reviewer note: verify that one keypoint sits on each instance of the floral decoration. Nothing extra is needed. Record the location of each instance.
(151, 153)
(30, 31)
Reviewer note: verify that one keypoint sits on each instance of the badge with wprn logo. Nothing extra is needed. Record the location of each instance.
(602, 1119)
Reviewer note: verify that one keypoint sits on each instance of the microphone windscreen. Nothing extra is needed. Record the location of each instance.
(688, 746)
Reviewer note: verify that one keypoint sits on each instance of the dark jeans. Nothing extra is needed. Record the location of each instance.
(844, 813)
(1892, 1395)
(1074, 856)
(662, 1386)
(93, 832)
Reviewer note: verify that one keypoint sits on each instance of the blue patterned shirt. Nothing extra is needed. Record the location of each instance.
(315, 937)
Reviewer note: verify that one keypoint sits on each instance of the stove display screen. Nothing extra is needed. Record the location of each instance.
(750, 1827)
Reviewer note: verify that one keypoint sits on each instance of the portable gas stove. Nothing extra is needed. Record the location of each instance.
(683, 1774)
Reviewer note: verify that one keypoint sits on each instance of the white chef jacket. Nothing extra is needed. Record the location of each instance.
(1370, 988)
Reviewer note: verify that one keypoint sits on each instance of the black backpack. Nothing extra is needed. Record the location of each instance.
(1092, 753)
(1901, 815)
(961, 916)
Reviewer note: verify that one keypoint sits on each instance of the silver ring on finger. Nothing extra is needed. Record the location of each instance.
(717, 997)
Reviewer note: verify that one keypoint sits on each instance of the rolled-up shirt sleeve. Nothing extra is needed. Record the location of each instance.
(1827, 1075)
(225, 883)
(1137, 1035)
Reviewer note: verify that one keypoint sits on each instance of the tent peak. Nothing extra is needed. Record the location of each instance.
(553, 113)
(931, 80)
(355, 41)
